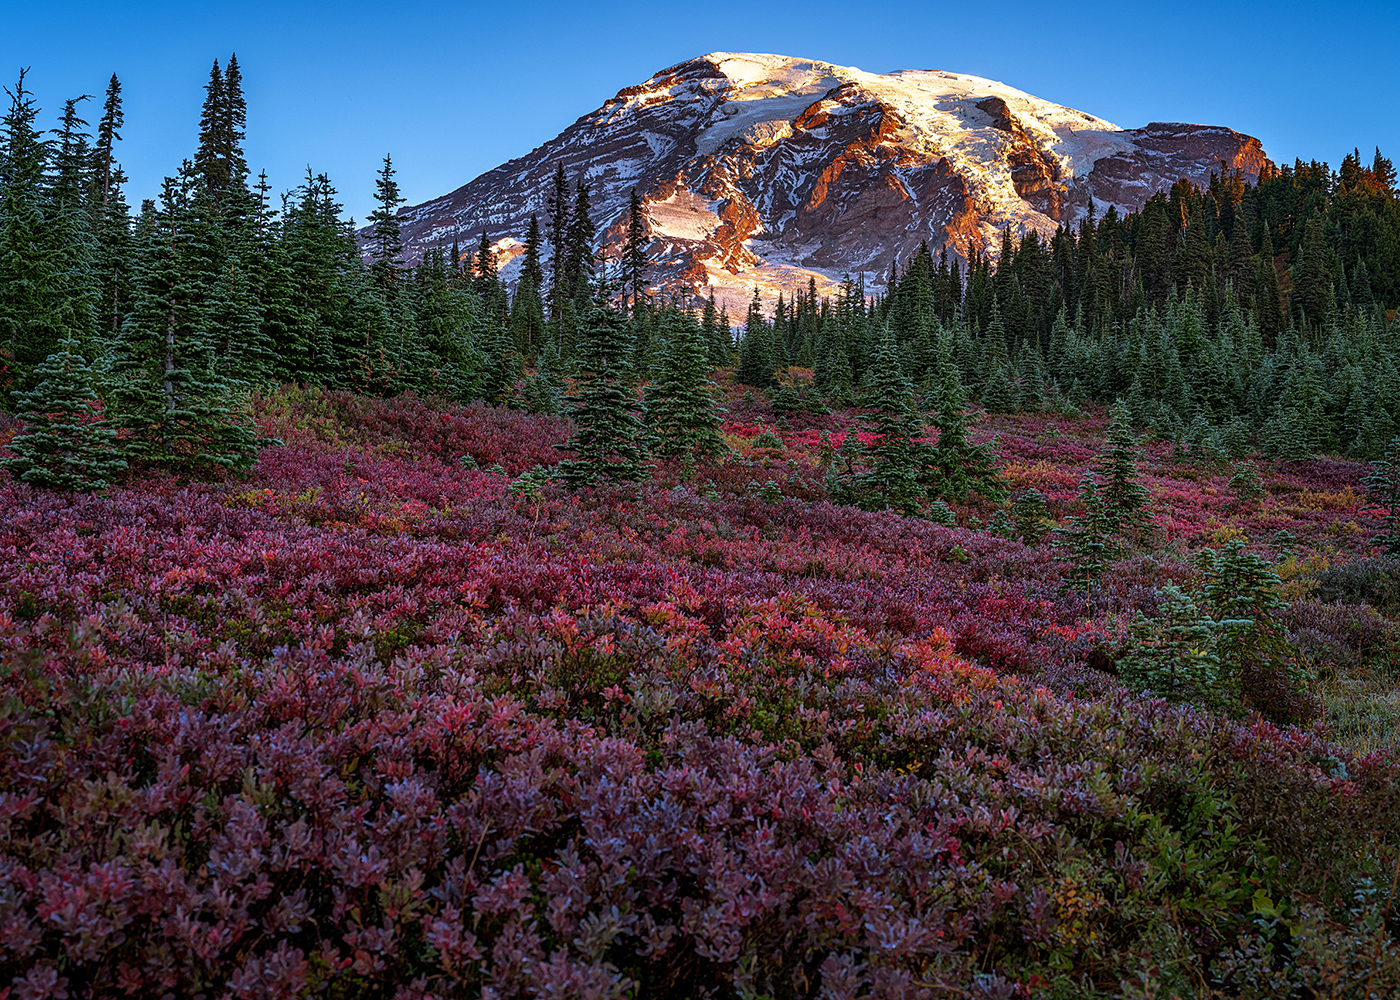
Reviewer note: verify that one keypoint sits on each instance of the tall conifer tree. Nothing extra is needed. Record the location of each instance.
(680, 405)
(607, 440)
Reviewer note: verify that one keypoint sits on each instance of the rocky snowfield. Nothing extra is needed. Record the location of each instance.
(769, 170)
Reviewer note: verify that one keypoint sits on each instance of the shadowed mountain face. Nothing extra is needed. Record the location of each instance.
(770, 171)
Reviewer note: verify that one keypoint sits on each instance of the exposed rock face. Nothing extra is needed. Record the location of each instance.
(770, 171)
(1034, 173)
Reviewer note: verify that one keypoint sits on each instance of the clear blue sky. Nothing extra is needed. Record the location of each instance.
(453, 89)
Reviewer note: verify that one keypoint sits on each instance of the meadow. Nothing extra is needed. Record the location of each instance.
(392, 715)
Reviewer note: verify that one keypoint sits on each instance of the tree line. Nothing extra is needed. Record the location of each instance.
(1226, 318)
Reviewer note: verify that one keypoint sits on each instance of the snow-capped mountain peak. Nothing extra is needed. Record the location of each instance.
(768, 170)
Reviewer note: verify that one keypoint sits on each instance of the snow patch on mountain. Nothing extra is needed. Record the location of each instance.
(683, 216)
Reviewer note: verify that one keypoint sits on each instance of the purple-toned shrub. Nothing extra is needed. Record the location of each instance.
(371, 724)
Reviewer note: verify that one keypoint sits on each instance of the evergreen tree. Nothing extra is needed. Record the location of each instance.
(1311, 280)
(64, 445)
(30, 257)
(1382, 488)
(1257, 659)
(315, 298)
(1123, 497)
(219, 159)
(957, 466)
(997, 396)
(560, 210)
(1032, 517)
(755, 350)
(1174, 656)
(386, 239)
(580, 247)
(897, 455)
(69, 228)
(542, 390)
(531, 267)
(209, 159)
(111, 225)
(1085, 541)
(634, 254)
(716, 336)
(485, 269)
(679, 401)
(108, 135)
(1267, 294)
(233, 121)
(527, 322)
(162, 383)
(607, 440)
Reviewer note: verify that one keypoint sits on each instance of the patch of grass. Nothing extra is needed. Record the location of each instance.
(1361, 707)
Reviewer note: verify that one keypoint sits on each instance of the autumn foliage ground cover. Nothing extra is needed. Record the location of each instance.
(376, 721)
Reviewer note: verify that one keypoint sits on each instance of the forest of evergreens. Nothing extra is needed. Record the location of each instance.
(1227, 318)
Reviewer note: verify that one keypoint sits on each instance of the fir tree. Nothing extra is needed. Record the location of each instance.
(1124, 498)
(527, 322)
(997, 396)
(31, 259)
(111, 225)
(108, 135)
(1270, 300)
(1257, 659)
(1382, 488)
(560, 211)
(897, 456)
(531, 267)
(485, 269)
(679, 400)
(755, 349)
(716, 337)
(607, 440)
(956, 466)
(1246, 483)
(1085, 541)
(233, 121)
(209, 159)
(542, 390)
(580, 247)
(219, 159)
(64, 445)
(386, 238)
(162, 383)
(1174, 656)
(1032, 517)
(69, 228)
(1311, 280)
(634, 254)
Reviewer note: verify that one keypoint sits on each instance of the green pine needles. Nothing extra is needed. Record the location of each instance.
(1125, 500)
(956, 466)
(679, 401)
(162, 381)
(1226, 649)
(1032, 517)
(607, 439)
(1174, 655)
(1382, 488)
(1086, 541)
(65, 445)
(897, 454)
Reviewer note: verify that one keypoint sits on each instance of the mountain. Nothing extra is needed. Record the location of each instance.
(771, 170)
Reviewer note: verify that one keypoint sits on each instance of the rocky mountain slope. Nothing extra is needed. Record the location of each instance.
(768, 170)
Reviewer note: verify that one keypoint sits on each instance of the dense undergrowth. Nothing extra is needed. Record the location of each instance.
(373, 722)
